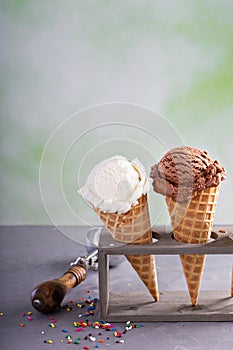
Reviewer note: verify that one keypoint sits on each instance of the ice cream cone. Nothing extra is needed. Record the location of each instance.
(134, 227)
(192, 222)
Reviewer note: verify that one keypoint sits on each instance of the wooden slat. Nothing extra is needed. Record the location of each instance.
(103, 283)
(166, 245)
(172, 307)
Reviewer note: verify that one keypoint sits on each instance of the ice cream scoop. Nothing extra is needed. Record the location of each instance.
(184, 171)
(115, 184)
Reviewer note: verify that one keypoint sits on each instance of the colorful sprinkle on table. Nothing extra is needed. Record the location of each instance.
(65, 330)
(82, 324)
(52, 325)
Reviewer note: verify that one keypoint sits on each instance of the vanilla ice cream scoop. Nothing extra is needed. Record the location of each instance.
(115, 184)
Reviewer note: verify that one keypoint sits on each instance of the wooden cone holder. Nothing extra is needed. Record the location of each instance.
(172, 306)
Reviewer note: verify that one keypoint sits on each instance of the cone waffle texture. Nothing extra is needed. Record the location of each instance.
(192, 222)
(134, 227)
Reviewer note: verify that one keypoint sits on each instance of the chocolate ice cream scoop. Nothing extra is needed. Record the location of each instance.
(185, 171)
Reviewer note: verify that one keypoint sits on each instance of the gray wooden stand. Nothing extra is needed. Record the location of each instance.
(172, 306)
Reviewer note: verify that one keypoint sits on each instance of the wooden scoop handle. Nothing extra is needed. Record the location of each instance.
(47, 296)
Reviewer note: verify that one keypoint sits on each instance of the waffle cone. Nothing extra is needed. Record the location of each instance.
(134, 227)
(192, 223)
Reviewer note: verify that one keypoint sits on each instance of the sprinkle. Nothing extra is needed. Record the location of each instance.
(79, 305)
(68, 336)
(29, 318)
(79, 329)
(29, 313)
(86, 347)
(88, 291)
(52, 325)
(64, 330)
(42, 332)
(91, 308)
(121, 341)
(51, 317)
(22, 324)
(54, 321)
(50, 341)
(68, 309)
(97, 346)
(72, 301)
(101, 341)
(62, 340)
(76, 342)
(23, 314)
(141, 325)
(92, 338)
(117, 334)
(69, 341)
(1, 313)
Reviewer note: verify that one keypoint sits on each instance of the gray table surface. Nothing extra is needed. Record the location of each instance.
(32, 254)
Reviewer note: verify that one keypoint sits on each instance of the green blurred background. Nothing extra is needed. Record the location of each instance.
(59, 57)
